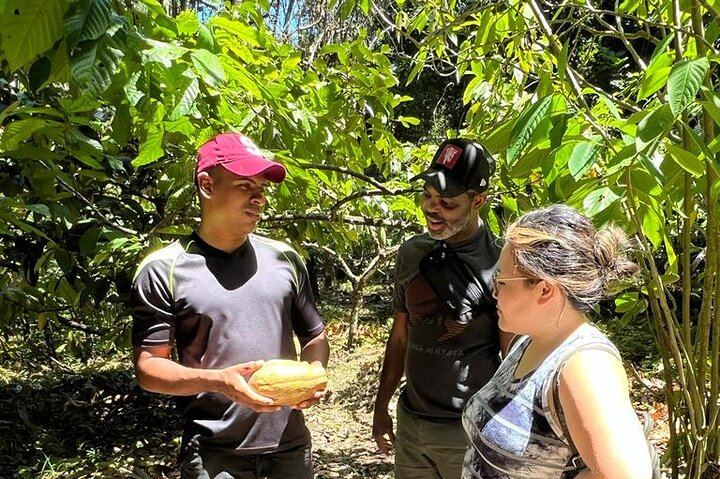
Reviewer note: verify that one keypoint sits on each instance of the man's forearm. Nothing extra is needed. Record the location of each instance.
(316, 350)
(391, 374)
(162, 375)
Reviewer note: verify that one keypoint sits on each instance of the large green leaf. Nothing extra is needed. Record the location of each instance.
(599, 200)
(209, 67)
(238, 31)
(162, 52)
(151, 149)
(582, 158)
(185, 90)
(653, 127)
(656, 75)
(525, 127)
(30, 28)
(686, 160)
(684, 83)
(94, 62)
(19, 131)
(87, 20)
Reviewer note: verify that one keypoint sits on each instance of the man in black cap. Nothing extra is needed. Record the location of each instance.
(444, 337)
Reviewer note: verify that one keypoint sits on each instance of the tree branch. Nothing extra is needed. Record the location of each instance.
(329, 217)
(349, 172)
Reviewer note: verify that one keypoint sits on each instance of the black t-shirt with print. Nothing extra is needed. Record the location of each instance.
(446, 361)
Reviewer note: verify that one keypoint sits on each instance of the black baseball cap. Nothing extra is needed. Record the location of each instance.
(459, 165)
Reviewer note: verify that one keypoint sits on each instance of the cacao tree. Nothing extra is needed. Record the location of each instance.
(633, 143)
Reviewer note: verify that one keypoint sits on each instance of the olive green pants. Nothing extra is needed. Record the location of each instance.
(427, 449)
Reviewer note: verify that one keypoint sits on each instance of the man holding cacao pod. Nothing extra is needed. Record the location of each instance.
(224, 300)
(445, 336)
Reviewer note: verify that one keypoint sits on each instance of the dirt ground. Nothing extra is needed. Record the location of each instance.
(341, 425)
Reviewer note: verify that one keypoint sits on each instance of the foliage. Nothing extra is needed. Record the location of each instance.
(638, 149)
(104, 109)
(611, 108)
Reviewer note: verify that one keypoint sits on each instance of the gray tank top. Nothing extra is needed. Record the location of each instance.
(509, 424)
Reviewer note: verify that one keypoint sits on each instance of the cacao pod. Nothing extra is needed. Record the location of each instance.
(288, 382)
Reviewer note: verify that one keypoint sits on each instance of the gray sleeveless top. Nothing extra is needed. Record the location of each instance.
(508, 422)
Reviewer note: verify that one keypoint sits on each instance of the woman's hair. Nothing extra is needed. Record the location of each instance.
(559, 244)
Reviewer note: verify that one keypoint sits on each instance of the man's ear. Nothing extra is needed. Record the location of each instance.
(205, 184)
(479, 199)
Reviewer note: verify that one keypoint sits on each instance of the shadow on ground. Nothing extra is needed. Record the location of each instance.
(350, 464)
(76, 425)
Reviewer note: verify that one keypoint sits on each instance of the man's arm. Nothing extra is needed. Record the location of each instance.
(315, 349)
(156, 372)
(392, 372)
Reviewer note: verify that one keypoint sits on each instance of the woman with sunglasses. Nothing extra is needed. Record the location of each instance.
(558, 406)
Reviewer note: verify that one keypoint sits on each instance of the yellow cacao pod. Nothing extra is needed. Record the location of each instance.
(288, 382)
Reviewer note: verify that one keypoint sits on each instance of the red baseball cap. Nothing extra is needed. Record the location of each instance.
(237, 154)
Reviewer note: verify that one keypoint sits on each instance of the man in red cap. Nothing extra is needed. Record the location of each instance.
(228, 299)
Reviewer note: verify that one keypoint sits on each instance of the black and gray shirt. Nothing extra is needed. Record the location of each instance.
(221, 309)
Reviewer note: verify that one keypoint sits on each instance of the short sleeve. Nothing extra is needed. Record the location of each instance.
(398, 285)
(152, 306)
(306, 319)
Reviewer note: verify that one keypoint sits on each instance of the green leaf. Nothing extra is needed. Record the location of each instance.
(525, 126)
(246, 34)
(562, 62)
(150, 150)
(186, 96)
(39, 72)
(209, 67)
(205, 38)
(652, 224)
(29, 28)
(652, 165)
(656, 75)
(684, 83)
(18, 131)
(133, 92)
(346, 8)
(653, 127)
(599, 200)
(162, 52)
(87, 20)
(121, 123)
(187, 23)
(88, 241)
(408, 120)
(364, 6)
(419, 61)
(686, 160)
(582, 158)
(94, 63)
(662, 47)
(712, 104)
(245, 79)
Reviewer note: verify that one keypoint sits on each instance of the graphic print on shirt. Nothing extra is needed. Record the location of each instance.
(427, 312)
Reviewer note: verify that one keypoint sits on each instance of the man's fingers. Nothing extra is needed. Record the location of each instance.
(260, 408)
(384, 445)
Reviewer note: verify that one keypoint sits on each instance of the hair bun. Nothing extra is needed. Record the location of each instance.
(611, 254)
